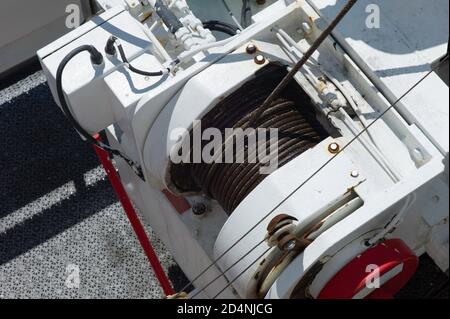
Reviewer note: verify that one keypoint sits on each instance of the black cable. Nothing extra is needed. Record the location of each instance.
(96, 59)
(110, 50)
(132, 68)
(222, 29)
(215, 25)
(221, 23)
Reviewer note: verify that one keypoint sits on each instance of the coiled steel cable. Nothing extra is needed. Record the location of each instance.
(291, 115)
(331, 159)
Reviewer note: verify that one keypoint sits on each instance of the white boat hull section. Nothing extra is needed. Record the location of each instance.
(26, 26)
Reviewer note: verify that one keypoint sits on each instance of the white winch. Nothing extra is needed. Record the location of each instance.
(359, 173)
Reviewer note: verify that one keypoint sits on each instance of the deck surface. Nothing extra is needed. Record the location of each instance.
(57, 210)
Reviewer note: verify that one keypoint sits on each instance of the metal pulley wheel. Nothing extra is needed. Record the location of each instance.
(287, 246)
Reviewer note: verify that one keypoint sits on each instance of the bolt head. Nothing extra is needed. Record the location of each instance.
(251, 48)
(334, 148)
(306, 28)
(354, 174)
(199, 209)
(418, 155)
(260, 59)
(290, 245)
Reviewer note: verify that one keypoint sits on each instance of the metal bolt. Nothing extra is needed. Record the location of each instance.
(199, 209)
(418, 155)
(334, 148)
(251, 48)
(260, 59)
(290, 245)
(354, 174)
(306, 28)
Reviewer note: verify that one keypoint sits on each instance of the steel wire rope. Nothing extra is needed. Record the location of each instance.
(355, 138)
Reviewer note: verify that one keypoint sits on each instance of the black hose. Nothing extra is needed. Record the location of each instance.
(132, 68)
(62, 99)
(168, 17)
(96, 59)
(219, 26)
(111, 50)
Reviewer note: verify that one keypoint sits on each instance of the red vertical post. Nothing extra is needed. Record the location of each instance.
(134, 219)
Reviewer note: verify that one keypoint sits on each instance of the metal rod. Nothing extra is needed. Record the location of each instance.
(134, 219)
(272, 97)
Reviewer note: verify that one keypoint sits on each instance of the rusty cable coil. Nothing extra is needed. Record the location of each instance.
(292, 114)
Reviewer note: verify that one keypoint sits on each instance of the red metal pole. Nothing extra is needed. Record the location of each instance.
(134, 220)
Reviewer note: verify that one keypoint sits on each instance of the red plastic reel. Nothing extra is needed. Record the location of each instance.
(389, 257)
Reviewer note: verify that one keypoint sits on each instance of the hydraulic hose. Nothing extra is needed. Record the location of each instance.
(168, 17)
(219, 26)
(111, 50)
(96, 59)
